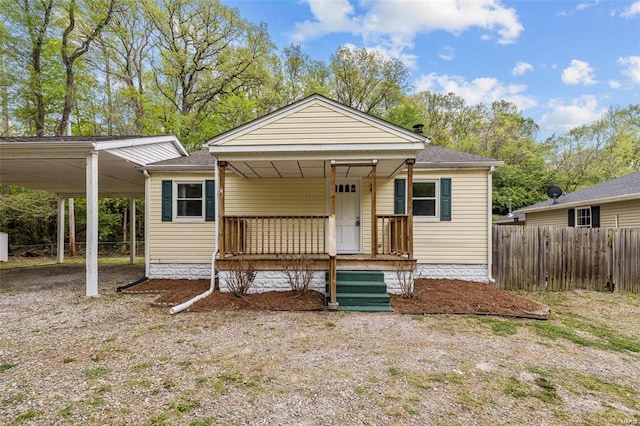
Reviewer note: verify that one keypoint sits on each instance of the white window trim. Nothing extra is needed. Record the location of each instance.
(436, 218)
(188, 219)
(576, 213)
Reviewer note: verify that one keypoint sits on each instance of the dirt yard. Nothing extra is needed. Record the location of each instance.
(114, 359)
(430, 297)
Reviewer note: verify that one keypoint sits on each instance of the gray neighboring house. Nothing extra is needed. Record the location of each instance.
(611, 204)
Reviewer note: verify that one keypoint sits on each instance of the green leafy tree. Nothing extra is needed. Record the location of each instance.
(367, 81)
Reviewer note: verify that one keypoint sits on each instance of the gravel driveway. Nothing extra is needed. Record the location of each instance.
(113, 359)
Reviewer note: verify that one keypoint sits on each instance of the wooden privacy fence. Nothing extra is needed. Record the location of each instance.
(538, 258)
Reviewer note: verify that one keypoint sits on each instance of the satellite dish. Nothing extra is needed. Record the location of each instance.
(554, 192)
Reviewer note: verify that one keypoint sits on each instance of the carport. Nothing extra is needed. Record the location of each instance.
(86, 166)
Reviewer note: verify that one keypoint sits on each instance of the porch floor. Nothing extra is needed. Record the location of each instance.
(360, 261)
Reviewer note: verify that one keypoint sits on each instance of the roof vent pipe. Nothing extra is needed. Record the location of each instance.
(418, 128)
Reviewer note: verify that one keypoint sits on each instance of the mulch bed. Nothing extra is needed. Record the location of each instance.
(432, 296)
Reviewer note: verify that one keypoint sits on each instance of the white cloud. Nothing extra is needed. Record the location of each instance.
(393, 25)
(521, 68)
(579, 72)
(447, 53)
(565, 116)
(631, 11)
(631, 67)
(614, 84)
(586, 5)
(480, 90)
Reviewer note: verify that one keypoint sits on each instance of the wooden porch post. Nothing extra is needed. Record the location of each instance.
(221, 231)
(333, 299)
(410, 207)
(374, 218)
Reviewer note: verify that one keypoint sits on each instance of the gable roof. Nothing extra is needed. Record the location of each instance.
(619, 189)
(317, 124)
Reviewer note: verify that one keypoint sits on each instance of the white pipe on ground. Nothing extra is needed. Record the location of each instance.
(181, 307)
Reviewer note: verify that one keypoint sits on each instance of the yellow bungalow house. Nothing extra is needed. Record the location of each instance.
(322, 180)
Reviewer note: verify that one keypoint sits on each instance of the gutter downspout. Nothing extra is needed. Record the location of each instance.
(490, 226)
(147, 221)
(181, 307)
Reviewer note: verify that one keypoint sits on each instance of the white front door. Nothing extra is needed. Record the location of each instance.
(348, 216)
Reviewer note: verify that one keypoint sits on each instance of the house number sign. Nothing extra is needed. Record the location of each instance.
(309, 198)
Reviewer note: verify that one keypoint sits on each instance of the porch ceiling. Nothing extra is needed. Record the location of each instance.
(260, 169)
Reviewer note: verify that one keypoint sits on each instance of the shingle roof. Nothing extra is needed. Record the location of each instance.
(199, 159)
(49, 139)
(431, 155)
(628, 185)
(439, 154)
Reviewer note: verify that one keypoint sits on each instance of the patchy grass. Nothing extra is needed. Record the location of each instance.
(5, 367)
(96, 372)
(515, 388)
(66, 412)
(586, 332)
(500, 327)
(25, 262)
(542, 388)
(29, 415)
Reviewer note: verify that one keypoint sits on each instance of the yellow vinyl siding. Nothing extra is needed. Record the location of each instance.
(315, 125)
(178, 242)
(557, 217)
(463, 240)
(275, 196)
(628, 215)
(279, 197)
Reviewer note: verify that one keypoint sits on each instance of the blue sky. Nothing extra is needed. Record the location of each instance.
(563, 63)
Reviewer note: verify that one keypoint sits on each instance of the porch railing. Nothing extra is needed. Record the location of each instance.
(393, 232)
(275, 234)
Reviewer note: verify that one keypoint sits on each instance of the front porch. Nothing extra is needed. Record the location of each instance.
(305, 181)
(321, 262)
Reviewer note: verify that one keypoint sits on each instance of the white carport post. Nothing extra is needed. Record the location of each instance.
(92, 223)
(132, 230)
(60, 255)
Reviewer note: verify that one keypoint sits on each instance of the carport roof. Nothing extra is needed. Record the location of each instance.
(58, 164)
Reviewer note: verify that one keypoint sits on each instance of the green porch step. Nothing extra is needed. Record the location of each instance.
(355, 299)
(372, 276)
(366, 308)
(360, 287)
(363, 291)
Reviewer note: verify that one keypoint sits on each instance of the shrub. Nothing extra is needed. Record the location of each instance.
(299, 271)
(241, 277)
(406, 274)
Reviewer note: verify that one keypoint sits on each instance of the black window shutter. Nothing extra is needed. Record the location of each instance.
(167, 200)
(210, 200)
(595, 216)
(572, 217)
(400, 194)
(445, 199)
